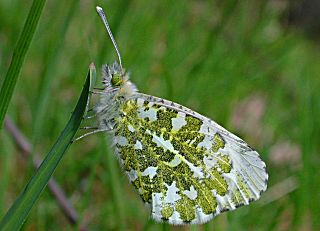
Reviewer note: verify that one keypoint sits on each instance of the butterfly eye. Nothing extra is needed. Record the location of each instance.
(116, 80)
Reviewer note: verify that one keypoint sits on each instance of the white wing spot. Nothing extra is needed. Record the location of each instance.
(175, 162)
(138, 145)
(197, 171)
(150, 171)
(209, 161)
(192, 193)
(151, 114)
(206, 143)
(140, 102)
(163, 143)
(131, 129)
(122, 141)
(172, 196)
(179, 121)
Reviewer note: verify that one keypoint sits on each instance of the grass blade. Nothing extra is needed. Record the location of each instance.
(19, 211)
(19, 53)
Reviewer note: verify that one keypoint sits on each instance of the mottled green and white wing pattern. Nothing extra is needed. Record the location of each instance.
(187, 167)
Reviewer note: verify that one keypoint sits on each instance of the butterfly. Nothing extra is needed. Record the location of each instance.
(185, 166)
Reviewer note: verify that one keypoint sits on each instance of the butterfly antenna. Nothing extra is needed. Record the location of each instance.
(105, 22)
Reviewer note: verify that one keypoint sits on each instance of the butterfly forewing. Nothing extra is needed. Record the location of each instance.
(187, 167)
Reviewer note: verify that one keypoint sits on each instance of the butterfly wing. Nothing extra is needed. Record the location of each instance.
(187, 167)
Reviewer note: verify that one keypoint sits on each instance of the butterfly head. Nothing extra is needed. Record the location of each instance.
(115, 78)
(114, 75)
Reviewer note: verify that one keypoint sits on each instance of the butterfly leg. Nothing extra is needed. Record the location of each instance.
(90, 110)
(105, 129)
(88, 127)
(97, 92)
(99, 88)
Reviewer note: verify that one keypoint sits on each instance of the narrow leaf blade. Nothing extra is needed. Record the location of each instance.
(17, 214)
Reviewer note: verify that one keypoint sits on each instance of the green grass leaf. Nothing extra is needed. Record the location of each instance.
(18, 56)
(19, 211)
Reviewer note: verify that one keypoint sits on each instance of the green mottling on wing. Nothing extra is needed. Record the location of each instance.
(144, 159)
(218, 142)
(237, 198)
(244, 188)
(127, 155)
(164, 120)
(192, 154)
(166, 212)
(167, 174)
(145, 184)
(217, 182)
(148, 139)
(165, 156)
(224, 163)
(186, 208)
(130, 136)
(146, 188)
(193, 123)
(186, 182)
(183, 169)
(136, 183)
(130, 109)
(206, 200)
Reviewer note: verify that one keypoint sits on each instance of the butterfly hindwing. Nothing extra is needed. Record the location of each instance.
(187, 167)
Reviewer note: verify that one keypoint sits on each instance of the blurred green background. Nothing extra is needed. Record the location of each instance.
(253, 66)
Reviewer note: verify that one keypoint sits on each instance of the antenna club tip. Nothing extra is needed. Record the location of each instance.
(105, 21)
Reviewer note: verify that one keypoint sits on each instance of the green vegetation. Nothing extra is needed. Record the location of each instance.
(232, 61)
(19, 211)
